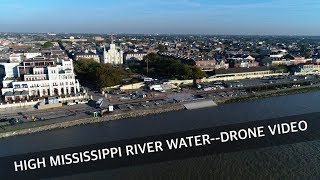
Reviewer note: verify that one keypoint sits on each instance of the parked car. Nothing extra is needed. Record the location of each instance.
(4, 120)
(71, 103)
(83, 102)
(14, 121)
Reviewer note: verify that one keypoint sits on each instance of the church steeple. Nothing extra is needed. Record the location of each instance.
(112, 40)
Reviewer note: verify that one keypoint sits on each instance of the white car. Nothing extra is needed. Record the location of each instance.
(71, 103)
(83, 102)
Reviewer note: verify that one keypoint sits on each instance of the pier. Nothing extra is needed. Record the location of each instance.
(200, 104)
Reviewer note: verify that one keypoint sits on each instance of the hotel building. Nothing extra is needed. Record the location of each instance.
(41, 78)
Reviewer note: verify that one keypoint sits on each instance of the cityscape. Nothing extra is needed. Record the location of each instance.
(159, 89)
(50, 78)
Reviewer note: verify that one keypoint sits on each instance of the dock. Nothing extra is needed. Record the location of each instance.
(200, 104)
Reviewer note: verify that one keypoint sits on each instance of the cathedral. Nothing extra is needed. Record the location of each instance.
(114, 55)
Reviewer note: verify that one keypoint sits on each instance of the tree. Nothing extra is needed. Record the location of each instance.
(47, 44)
(197, 73)
(308, 54)
(265, 61)
(162, 48)
(101, 75)
(280, 69)
(165, 67)
(108, 76)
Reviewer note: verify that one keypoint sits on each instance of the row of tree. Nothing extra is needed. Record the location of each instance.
(96, 75)
(157, 66)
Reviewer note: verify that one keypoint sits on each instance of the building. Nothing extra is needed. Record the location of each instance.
(8, 70)
(243, 73)
(73, 39)
(98, 38)
(15, 58)
(206, 65)
(278, 55)
(20, 55)
(113, 56)
(306, 69)
(41, 78)
(87, 55)
(134, 56)
(31, 54)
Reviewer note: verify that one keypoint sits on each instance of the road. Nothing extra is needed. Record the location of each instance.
(154, 100)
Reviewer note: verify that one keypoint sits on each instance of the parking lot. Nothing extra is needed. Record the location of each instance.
(138, 100)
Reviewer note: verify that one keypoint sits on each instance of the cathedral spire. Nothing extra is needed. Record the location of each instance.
(112, 40)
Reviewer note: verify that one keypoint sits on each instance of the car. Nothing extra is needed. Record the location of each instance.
(83, 102)
(4, 120)
(71, 103)
(14, 121)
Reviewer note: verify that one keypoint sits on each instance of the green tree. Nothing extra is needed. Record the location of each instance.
(108, 76)
(162, 48)
(308, 54)
(101, 75)
(280, 68)
(47, 44)
(160, 67)
(197, 73)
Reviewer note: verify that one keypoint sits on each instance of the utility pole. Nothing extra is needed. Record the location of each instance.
(147, 67)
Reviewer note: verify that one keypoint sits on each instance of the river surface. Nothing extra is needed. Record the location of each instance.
(296, 161)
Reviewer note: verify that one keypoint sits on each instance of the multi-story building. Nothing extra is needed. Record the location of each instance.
(208, 65)
(98, 38)
(41, 78)
(87, 55)
(18, 56)
(308, 69)
(134, 56)
(8, 70)
(15, 58)
(73, 39)
(113, 56)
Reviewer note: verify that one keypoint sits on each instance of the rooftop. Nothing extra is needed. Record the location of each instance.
(241, 70)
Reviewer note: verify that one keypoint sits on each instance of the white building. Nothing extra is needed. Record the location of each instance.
(8, 70)
(134, 56)
(41, 78)
(87, 55)
(19, 56)
(29, 55)
(113, 56)
(73, 39)
(15, 58)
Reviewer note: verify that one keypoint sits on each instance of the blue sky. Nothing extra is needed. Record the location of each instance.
(272, 17)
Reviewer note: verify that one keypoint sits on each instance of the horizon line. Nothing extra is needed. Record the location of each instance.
(189, 34)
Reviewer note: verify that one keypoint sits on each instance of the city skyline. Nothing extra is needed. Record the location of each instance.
(249, 17)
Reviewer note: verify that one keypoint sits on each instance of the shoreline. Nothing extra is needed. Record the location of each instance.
(91, 120)
(268, 94)
(152, 111)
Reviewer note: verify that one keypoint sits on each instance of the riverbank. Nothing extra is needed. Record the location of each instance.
(267, 94)
(110, 117)
(152, 111)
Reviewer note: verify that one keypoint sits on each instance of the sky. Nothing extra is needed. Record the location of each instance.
(234, 17)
